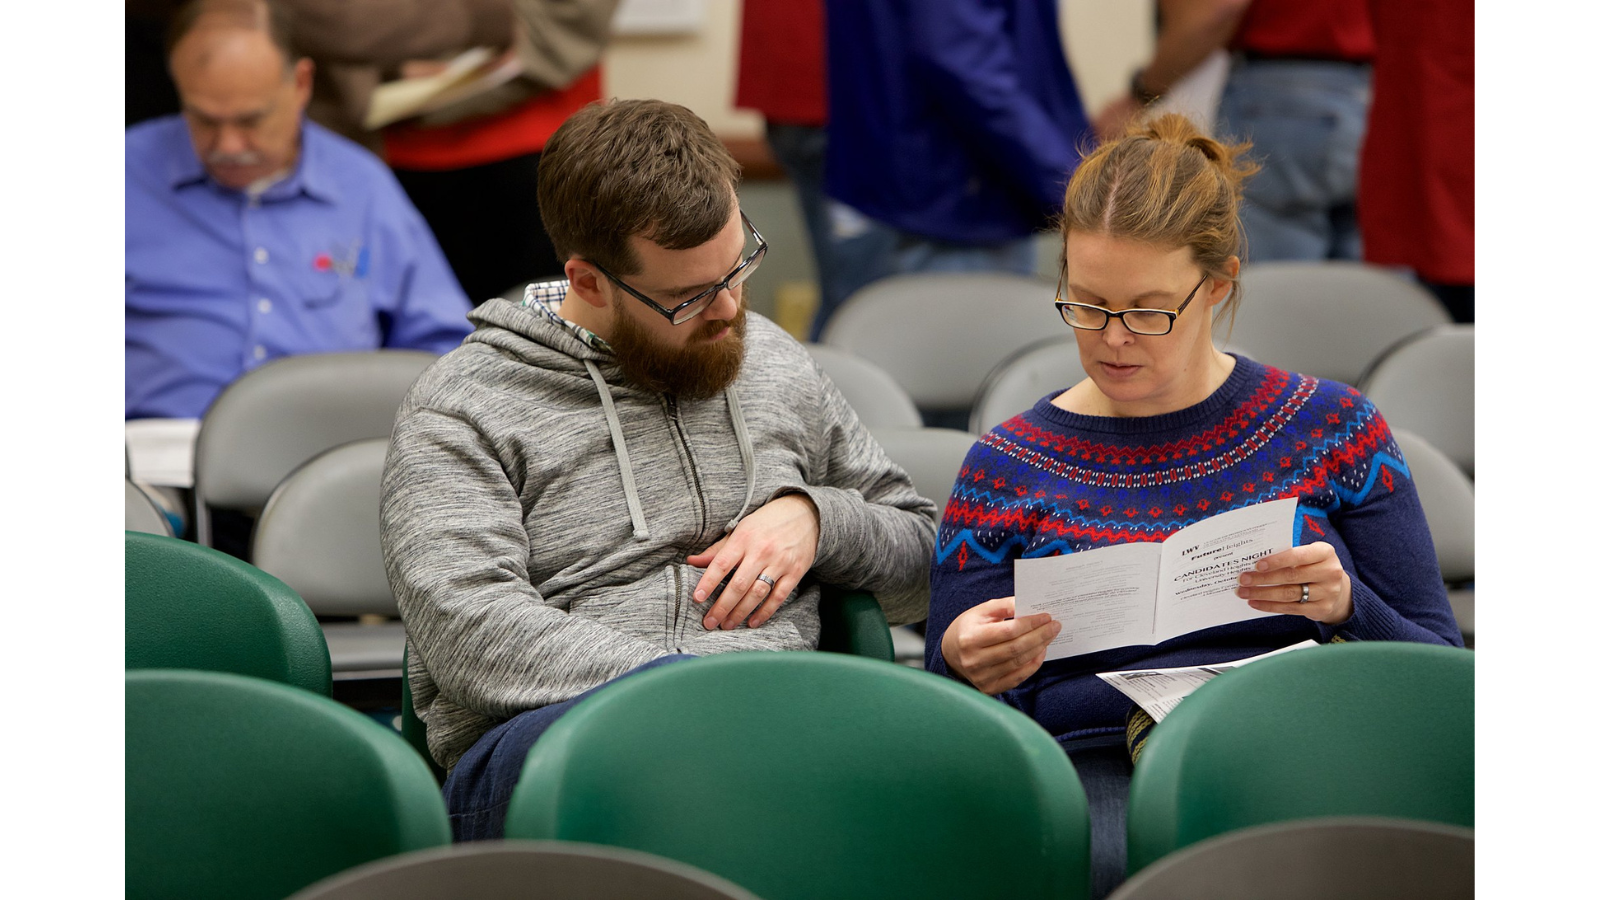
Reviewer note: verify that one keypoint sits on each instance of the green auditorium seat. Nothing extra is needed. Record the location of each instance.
(1356, 729)
(191, 607)
(804, 775)
(248, 789)
(852, 622)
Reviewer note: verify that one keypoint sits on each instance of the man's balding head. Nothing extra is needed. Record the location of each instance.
(243, 90)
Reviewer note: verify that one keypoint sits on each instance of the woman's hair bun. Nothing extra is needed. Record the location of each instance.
(1230, 159)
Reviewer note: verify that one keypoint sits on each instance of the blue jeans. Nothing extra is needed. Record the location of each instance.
(1306, 120)
(801, 150)
(478, 791)
(1105, 770)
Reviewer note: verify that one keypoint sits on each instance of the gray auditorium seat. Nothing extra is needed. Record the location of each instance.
(1023, 377)
(319, 535)
(1448, 502)
(939, 334)
(510, 870)
(142, 514)
(1330, 318)
(931, 456)
(1333, 858)
(1425, 384)
(1020, 380)
(276, 417)
(879, 401)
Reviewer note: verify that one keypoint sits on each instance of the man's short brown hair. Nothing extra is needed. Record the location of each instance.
(633, 167)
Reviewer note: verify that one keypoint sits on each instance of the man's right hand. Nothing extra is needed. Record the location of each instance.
(993, 651)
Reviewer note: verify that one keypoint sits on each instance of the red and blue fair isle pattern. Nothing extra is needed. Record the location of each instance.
(1036, 487)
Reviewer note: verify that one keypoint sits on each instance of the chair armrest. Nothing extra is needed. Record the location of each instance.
(853, 623)
(411, 727)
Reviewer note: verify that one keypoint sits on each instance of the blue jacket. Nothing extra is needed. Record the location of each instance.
(953, 119)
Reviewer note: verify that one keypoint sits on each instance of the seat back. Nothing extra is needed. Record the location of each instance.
(243, 788)
(1447, 501)
(852, 622)
(1379, 728)
(814, 775)
(272, 419)
(142, 514)
(1316, 859)
(319, 532)
(1329, 318)
(1023, 377)
(412, 728)
(1424, 384)
(1026, 376)
(878, 400)
(931, 456)
(938, 334)
(498, 870)
(192, 607)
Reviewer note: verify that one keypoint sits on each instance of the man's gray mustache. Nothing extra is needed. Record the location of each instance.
(227, 159)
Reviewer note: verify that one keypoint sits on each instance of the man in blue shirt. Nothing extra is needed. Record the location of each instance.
(953, 126)
(253, 234)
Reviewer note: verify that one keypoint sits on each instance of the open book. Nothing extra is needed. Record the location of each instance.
(469, 74)
(1146, 593)
(1158, 691)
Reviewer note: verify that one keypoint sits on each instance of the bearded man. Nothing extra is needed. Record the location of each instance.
(628, 467)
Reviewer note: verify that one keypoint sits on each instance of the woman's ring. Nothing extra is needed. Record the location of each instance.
(772, 584)
(1305, 593)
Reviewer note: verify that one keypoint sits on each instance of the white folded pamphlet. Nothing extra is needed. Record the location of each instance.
(161, 451)
(1147, 592)
(1158, 691)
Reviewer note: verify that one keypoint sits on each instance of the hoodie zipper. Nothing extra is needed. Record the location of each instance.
(694, 472)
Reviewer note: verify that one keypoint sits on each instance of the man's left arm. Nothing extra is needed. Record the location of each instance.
(856, 521)
(427, 309)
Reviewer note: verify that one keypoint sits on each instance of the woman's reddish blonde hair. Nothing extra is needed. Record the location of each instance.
(1164, 183)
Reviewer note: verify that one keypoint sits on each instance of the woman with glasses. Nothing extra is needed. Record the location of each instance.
(1165, 432)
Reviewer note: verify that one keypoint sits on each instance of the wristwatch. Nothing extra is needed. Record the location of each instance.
(1141, 93)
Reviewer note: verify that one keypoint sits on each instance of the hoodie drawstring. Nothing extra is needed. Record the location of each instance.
(630, 490)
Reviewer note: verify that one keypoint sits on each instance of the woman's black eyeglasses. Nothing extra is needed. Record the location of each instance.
(1139, 321)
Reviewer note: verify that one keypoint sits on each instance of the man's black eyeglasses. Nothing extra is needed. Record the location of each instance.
(697, 304)
(1139, 321)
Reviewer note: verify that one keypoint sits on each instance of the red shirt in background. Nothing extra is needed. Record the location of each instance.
(1301, 29)
(475, 142)
(783, 61)
(1416, 194)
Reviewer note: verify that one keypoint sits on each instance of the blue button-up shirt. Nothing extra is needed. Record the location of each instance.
(333, 257)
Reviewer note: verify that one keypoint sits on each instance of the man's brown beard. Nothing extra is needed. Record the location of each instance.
(695, 372)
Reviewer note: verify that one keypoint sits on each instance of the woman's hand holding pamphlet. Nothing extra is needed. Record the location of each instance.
(1146, 593)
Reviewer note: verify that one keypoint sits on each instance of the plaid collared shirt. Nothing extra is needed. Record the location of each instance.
(544, 296)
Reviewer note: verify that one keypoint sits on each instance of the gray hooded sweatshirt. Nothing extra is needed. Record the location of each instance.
(537, 512)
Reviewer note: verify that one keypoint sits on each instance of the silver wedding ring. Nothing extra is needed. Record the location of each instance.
(772, 584)
(1305, 593)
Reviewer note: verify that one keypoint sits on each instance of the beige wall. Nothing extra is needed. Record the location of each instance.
(1106, 40)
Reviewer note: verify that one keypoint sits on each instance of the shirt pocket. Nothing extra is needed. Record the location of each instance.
(332, 295)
